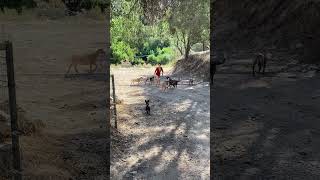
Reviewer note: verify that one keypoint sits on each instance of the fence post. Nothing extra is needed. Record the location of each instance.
(13, 112)
(114, 102)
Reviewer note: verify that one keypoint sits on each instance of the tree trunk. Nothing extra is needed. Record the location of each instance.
(179, 48)
(187, 49)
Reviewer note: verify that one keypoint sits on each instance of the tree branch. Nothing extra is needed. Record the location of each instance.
(133, 6)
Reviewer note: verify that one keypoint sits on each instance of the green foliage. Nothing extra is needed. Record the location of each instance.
(185, 23)
(145, 39)
(152, 59)
(138, 61)
(153, 46)
(122, 51)
(164, 56)
(189, 23)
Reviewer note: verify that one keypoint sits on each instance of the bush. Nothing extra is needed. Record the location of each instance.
(121, 51)
(152, 59)
(138, 61)
(153, 46)
(164, 56)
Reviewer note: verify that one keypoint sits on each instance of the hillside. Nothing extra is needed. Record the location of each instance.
(292, 25)
(196, 66)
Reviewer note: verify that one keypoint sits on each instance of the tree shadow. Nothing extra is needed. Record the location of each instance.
(284, 146)
(163, 155)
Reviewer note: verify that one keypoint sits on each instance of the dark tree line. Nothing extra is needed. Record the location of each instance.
(17, 4)
(77, 5)
(72, 5)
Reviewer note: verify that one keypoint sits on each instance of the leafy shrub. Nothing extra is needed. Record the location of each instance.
(164, 56)
(138, 61)
(122, 51)
(152, 59)
(153, 46)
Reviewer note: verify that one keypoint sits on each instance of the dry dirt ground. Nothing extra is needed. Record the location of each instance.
(171, 143)
(72, 145)
(266, 127)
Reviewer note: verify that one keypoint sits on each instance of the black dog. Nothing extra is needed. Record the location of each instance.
(173, 83)
(147, 107)
(190, 81)
(150, 79)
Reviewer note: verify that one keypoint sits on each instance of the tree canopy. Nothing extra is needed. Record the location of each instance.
(157, 29)
(72, 5)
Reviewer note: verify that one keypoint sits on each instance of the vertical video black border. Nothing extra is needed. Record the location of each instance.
(107, 90)
(212, 46)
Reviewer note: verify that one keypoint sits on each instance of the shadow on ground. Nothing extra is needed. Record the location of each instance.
(266, 132)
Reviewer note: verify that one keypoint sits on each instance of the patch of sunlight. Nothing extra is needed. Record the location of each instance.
(132, 160)
(246, 127)
(180, 130)
(166, 157)
(203, 137)
(154, 151)
(184, 160)
(255, 84)
(182, 106)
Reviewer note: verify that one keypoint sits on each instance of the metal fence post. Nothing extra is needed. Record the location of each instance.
(114, 102)
(13, 112)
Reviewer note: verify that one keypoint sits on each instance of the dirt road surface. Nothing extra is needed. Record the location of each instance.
(266, 127)
(171, 143)
(72, 145)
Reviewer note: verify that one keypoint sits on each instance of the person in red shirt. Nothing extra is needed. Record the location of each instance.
(157, 73)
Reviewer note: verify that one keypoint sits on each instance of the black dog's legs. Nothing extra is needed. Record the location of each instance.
(147, 107)
(253, 67)
(264, 66)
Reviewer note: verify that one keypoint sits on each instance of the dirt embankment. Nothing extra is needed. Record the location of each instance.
(196, 66)
(292, 25)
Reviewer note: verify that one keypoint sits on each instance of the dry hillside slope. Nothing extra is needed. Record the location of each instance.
(290, 24)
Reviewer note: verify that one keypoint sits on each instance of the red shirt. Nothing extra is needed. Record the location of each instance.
(158, 71)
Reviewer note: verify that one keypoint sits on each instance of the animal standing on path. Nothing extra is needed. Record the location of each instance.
(147, 107)
(86, 59)
(137, 80)
(164, 85)
(191, 82)
(150, 79)
(213, 67)
(173, 83)
(260, 59)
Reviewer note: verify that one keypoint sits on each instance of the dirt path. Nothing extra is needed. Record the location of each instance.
(72, 145)
(266, 127)
(172, 143)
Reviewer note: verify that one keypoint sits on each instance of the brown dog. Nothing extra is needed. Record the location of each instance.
(86, 59)
(136, 80)
(164, 85)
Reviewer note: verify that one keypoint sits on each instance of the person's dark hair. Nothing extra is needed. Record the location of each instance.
(159, 63)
